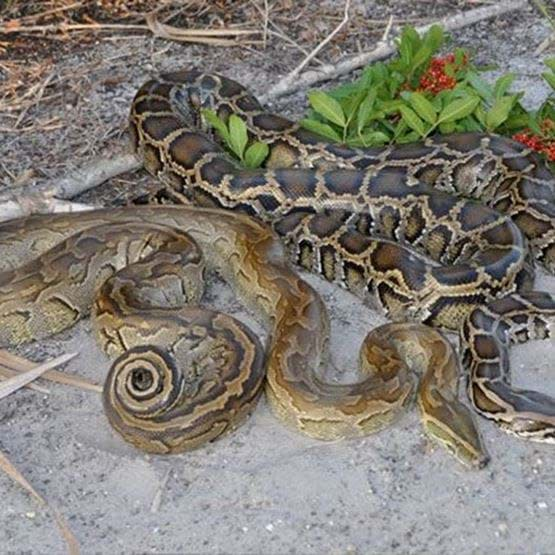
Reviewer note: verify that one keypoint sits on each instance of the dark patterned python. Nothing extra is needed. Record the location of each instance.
(396, 193)
(184, 376)
(497, 171)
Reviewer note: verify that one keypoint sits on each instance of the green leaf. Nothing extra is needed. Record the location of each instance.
(390, 106)
(421, 57)
(470, 123)
(550, 78)
(550, 63)
(481, 86)
(372, 138)
(405, 51)
(458, 109)
(256, 154)
(321, 129)
(515, 121)
(499, 112)
(211, 117)
(344, 91)
(412, 120)
(534, 126)
(410, 34)
(351, 104)
(447, 127)
(502, 85)
(434, 37)
(365, 110)
(327, 106)
(460, 55)
(238, 136)
(424, 108)
(409, 138)
(480, 114)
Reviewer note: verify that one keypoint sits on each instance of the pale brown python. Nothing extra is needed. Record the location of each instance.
(183, 375)
(357, 228)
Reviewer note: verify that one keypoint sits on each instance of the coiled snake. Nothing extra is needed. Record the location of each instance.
(184, 375)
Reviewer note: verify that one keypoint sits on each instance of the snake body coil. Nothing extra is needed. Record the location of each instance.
(184, 375)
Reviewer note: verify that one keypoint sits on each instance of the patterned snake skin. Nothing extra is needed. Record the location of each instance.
(185, 375)
(340, 222)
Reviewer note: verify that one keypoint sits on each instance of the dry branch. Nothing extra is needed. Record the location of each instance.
(22, 201)
(9, 386)
(71, 541)
(11, 365)
(385, 48)
(214, 37)
(293, 74)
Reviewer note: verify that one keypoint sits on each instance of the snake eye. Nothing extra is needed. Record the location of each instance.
(141, 379)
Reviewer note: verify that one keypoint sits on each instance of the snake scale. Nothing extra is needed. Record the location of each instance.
(369, 221)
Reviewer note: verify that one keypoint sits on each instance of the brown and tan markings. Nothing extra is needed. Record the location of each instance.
(184, 375)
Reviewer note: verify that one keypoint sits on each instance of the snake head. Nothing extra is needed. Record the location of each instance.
(456, 431)
(188, 102)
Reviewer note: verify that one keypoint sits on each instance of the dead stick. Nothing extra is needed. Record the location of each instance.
(71, 541)
(79, 180)
(386, 48)
(33, 203)
(7, 387)
(293, 74)
(11, 364)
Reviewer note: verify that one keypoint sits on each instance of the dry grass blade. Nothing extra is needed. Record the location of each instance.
(19, 364)
(16, 476)
(6, 373)
(202, 36)
(17, 382)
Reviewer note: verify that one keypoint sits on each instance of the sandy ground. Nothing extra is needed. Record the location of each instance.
(263, 489)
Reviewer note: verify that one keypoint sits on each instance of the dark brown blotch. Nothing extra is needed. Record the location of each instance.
(149, 104)
(271, 122)
(296, 182)
(354, 243)
(325, 224)
(463, 142)
(474, 215)
(411, 151)
(486, 347)
(230, 88)
(214, 171)
(159, 127)
(188, 148)
(344, 182)
(248, 103)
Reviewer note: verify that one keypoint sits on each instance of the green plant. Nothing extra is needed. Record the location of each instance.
(236, 139)
(418, 93)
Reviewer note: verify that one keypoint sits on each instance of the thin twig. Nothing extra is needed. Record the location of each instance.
(208, 36)
(6, 373)
(292, 76)
(265, 24)
(10, 385)
(11, 364)
(25, 204)
(280, 33)
(382, 50)
(71, 541)
(37, 16)
(97, 171)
